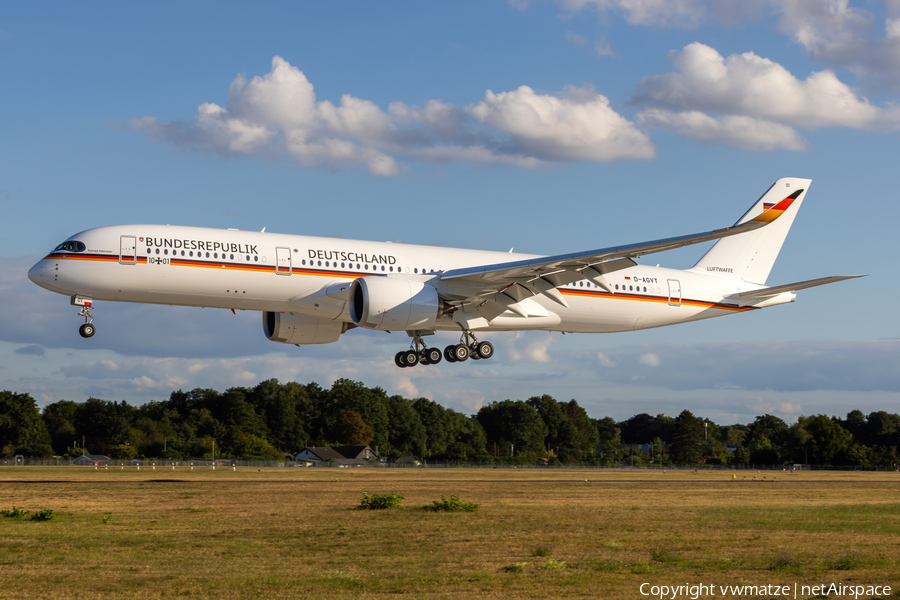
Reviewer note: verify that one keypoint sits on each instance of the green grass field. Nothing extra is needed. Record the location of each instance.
(292, 533)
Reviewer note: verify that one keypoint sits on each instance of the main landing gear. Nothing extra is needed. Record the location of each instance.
(87, 330)
(468, 347)
(418, 354)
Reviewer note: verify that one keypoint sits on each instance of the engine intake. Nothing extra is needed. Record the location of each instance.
(391, 304)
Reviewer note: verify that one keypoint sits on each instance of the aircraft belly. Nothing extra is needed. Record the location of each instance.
(607, 313)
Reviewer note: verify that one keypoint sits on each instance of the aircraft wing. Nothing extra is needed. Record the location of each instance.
(790, 287)
(506, 284)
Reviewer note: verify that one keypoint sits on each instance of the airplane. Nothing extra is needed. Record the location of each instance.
(312, 290)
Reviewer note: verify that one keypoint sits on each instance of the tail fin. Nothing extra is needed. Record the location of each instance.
(750, 256)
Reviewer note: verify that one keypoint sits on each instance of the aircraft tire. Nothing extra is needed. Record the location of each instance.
(398, 360)
(460, 352)
(448, 354)
(485, 349)
(410, 358)
(433, 355)
(87, 330)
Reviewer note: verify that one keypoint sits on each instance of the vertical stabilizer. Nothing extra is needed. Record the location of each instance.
(750, 256)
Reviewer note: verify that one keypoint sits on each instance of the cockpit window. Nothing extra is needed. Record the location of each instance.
(71, 246)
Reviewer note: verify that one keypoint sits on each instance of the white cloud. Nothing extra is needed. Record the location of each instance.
(579, 125)
(757, 101)
(840, 35)
(865, 366)
(832, 32)
(466, 401)
(604, 360)
(277, 115)
(528, 348)
(603, 49)
(746, 133)
(683, 14)
(575, 38)
(650, 359)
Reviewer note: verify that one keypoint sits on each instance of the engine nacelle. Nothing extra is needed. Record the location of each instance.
(391, 304)
(288, 328)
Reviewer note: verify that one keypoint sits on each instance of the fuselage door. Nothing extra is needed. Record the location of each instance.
(674, 292)
(283, 261)
(127, 250)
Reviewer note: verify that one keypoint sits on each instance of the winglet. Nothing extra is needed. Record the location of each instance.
(773, 212)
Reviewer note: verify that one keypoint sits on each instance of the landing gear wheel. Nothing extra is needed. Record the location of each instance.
(433, 355)
(398, 359)
(410, 358)
(449, 354)
(460, 352)
(86, 330)
(485, 349)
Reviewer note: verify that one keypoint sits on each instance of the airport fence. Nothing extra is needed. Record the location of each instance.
(201, 463)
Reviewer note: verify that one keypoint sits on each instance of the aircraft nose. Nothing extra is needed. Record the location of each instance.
(36, 273)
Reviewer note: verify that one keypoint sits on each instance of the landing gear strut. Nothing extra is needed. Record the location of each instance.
(86, 330)
(418, 353)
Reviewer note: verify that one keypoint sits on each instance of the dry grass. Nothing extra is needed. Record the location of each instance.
(290, 533)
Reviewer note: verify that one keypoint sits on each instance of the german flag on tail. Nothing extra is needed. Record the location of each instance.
(772, 212)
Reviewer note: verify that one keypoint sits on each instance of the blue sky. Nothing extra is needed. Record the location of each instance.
(544, 126)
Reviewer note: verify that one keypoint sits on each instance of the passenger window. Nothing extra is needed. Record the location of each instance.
(231, 257)
(255, 259)
(157, 250)
(367, 267)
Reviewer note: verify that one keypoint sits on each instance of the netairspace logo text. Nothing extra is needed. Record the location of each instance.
(700, 590)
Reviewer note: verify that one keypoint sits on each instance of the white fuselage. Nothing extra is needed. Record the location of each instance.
(193, 266)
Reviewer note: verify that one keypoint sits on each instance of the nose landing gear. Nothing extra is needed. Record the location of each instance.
(87, 330)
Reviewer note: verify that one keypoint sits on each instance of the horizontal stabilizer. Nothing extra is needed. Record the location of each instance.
(790, 287)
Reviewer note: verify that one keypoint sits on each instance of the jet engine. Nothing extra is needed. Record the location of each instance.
(391, 304)
(288, 328)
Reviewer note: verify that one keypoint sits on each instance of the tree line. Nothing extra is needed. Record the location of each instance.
(273, 421)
